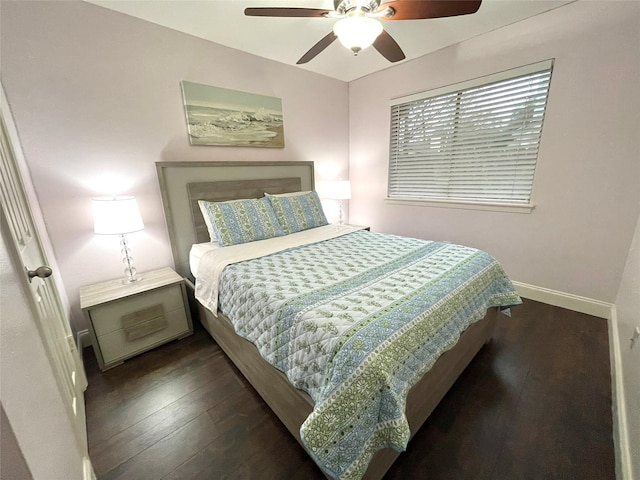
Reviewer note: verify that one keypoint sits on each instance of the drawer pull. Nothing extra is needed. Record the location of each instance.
(144, 322)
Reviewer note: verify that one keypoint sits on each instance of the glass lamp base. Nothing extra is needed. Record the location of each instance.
(130, 274)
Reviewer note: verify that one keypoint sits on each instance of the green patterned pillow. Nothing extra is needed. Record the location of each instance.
(298, 211)
(240, 221)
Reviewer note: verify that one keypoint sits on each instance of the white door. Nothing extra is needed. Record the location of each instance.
(26, 246)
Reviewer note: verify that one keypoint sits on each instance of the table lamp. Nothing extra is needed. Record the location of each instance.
(339, 190)
(119, 216)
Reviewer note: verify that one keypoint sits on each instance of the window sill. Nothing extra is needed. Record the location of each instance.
(466, 205)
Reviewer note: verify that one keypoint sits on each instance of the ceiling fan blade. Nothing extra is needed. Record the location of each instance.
(317, 48)
(388, 47)
(421, 9)
(285, 12)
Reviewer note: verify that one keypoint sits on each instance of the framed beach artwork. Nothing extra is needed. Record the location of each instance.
(219, 116)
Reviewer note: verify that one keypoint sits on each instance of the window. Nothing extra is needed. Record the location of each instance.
(474, 142)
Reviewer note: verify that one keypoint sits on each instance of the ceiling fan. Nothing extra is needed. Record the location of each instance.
(359, 25)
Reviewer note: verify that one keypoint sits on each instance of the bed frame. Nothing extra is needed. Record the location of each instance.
(182, 184)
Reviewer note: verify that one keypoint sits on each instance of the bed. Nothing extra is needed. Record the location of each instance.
(322, 413)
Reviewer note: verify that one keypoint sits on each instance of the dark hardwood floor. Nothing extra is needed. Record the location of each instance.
(534, 404)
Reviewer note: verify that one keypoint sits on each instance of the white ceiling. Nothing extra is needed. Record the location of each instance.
(287, 39)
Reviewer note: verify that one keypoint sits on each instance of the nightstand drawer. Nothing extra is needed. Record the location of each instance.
(118, 345)
(109, 318)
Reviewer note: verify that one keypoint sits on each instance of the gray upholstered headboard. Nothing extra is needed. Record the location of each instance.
(182, 184)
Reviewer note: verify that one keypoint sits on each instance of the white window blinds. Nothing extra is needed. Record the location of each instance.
(470, 142)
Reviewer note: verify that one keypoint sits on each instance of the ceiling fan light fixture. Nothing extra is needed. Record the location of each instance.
(357, 32)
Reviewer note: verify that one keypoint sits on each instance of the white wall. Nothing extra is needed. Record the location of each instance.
(628, 318)
(586, 183)
(12, 462)
(97, 93)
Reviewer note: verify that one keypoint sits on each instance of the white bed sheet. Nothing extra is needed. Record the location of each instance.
(196, 253)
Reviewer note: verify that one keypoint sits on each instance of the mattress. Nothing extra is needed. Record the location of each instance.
(354, 320)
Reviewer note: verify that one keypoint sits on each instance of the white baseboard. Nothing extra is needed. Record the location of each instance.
(88, 472)
(565, 300)
(83, 340)
(618, 404)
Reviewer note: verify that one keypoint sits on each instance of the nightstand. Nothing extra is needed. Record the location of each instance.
(128, 319)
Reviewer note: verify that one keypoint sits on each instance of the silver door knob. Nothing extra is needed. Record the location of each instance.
(41, 272)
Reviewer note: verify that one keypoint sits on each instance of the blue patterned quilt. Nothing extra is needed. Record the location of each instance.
(356, 321)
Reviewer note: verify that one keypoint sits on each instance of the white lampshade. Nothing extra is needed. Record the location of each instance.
(116, 215)
(339, 190)
(358, 32)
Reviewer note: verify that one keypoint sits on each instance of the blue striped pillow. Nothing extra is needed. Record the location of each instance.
(240, 221)
(298, 211)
